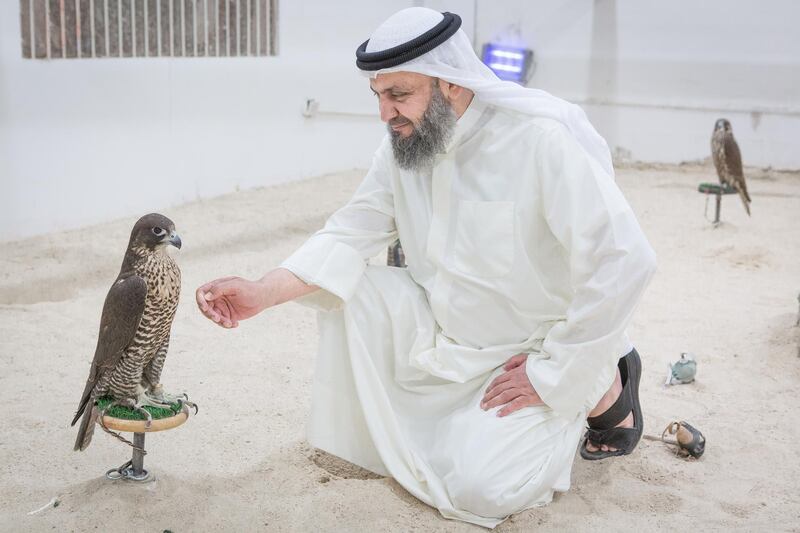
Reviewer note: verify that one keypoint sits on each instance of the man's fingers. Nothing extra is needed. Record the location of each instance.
(227, 311)
(495, 391)
(516, 405)
(200, 293)
(199, 297)
(213, 293)
(220, 310)
(498, 380)
(229, 323)
(515, 361)
(514, 375)
(511, 364)
(204, 289)
(502, 398)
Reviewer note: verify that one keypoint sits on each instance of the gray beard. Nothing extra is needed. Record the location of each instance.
(430, 137)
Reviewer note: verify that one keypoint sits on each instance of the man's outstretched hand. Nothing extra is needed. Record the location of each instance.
(512, 388)
(228, 300)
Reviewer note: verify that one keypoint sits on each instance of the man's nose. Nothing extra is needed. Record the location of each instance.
(387, 109)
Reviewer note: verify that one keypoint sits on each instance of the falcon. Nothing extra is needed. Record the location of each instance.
(135, 327)
(728, 160)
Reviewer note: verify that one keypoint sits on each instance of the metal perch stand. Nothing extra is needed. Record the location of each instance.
(134, 469)
(717, 190)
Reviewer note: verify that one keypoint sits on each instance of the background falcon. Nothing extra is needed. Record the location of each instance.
(728, 160)
(135, 326)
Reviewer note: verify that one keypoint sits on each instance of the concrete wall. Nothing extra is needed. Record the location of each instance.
(82, 141)
(654, 76)
(87, 140)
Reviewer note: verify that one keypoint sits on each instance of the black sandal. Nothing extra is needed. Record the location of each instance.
(602, 429)
(688, 439)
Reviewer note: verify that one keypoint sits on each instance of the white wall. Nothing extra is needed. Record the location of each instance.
(654, 75)
(82, 141)
(87, 140)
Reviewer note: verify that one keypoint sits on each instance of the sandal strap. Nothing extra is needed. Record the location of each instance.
(624, 403)
(620, 438)
(614, 414)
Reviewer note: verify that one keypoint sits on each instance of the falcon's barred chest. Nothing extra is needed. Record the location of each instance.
(718, 156)
(163, 279)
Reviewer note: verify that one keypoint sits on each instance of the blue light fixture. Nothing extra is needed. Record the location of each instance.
(508, 62)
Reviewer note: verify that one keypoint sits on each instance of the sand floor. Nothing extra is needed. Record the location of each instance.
(727, 294)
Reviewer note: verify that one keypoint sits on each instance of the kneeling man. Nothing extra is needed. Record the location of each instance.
(469, 375)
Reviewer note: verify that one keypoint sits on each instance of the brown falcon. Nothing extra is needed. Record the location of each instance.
(135, 326)
(728, 160)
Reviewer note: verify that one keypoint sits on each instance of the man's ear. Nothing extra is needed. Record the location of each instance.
(451, 91)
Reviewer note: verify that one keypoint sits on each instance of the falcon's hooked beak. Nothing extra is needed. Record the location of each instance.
(175, 240)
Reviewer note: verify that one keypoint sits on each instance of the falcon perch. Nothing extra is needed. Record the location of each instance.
(728, 160)
(134, 328)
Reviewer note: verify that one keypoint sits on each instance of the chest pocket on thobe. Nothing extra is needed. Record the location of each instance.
(484, 244)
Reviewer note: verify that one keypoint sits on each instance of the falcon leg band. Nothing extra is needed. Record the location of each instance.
(412, 49)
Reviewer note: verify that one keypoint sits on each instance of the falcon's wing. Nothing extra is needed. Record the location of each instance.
(718, 155)
(122, 312)
(733, 158)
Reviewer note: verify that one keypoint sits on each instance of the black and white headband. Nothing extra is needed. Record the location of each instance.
(402, 53)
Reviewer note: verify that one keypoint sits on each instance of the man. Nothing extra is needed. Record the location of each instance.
(469, 375)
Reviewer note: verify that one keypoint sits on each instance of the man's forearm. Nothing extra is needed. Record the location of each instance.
(281, 285)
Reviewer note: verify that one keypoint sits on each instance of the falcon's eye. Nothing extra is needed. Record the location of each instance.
(158, 232)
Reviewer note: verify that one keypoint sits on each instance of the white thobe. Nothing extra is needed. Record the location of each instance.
(516, 241)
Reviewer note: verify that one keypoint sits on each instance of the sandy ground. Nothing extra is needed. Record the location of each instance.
(729, 295)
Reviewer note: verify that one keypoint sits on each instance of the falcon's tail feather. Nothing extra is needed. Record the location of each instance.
(86, 429)
(81, 409)
(745, 199)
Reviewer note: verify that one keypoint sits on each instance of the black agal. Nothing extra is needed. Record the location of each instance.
(412, 49)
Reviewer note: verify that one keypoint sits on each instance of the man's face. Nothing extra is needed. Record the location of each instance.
(419, 117)
(403, 98)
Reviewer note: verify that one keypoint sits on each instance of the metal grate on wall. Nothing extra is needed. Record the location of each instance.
(55, 29)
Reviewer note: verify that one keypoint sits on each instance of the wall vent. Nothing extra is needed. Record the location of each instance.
(61, 29)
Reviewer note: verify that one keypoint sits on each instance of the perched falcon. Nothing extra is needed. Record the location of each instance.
(135, 326)
(728, 160)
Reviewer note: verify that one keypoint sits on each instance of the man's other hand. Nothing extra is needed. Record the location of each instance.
(228, 300)
(512, 388)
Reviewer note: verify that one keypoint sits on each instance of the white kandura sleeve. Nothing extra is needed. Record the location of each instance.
(335, 257)
(610, 263)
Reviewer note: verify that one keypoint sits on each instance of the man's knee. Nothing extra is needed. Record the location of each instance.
(492, 494)
(498, 479)
(471, 494)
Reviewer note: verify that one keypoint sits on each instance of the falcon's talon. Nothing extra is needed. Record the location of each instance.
(187, 403)
(178, 410)
(147, 416)
(158, 394)
(192, 404)
(152, 401)
(132, 405)
(168, 400)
